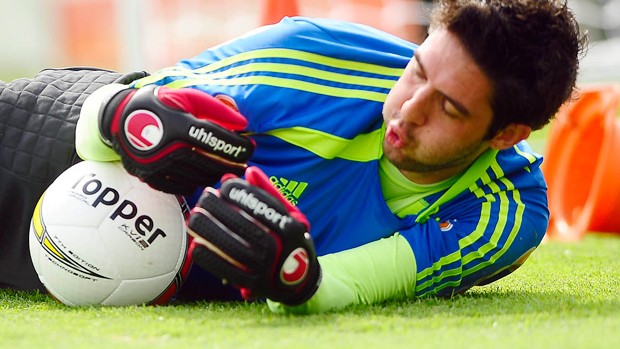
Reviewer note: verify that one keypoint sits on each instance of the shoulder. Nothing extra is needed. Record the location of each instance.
(352, 40)
(324, 37)
(521, 158)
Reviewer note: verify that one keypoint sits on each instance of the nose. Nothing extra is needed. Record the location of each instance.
(415, 110)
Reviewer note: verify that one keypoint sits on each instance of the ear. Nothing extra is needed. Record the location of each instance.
(509, 136)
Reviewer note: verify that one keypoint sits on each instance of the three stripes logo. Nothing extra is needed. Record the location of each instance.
(291, 190)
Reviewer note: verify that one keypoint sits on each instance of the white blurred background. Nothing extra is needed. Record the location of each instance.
(127, 35)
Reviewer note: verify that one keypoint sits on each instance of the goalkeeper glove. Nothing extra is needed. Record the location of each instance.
(248, 235)
(176, 140)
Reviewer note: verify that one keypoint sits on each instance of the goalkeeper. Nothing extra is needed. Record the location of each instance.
(378, 170)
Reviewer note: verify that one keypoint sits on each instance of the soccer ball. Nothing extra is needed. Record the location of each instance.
(100, 236)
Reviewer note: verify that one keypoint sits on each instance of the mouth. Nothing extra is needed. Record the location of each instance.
(393, 138)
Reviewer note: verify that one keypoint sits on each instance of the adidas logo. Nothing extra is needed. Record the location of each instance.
(291, 190)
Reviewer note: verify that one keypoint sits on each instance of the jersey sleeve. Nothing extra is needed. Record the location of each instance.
(485, 241)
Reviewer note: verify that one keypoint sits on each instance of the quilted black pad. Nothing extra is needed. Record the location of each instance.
(37, 132)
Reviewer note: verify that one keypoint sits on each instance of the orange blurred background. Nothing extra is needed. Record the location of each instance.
(147, 35)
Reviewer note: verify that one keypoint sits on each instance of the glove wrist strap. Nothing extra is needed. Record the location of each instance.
(88, 141)
(108, 112)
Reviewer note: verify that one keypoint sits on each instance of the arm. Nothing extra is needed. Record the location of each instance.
(431, 258)
(489, 238)
(309, 63)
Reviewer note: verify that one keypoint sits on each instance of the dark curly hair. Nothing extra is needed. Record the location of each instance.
(529, 49)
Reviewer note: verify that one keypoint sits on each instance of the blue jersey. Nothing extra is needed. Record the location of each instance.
(312, 91)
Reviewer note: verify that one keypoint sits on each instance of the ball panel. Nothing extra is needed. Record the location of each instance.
(142, 291)
(69, 256)
(75, 295)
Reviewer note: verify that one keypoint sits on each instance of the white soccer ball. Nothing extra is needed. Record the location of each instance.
(101, 236)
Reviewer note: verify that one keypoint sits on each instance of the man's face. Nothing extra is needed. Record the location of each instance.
(438, 113)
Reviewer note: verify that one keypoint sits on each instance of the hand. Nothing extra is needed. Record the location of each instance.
(176, 140)
(248, 235)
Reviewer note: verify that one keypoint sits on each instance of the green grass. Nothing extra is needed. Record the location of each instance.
(565, 296)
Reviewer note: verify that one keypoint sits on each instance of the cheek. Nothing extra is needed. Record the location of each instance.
(388, 109)
(442, 132)
(395, 99)
(455, 137)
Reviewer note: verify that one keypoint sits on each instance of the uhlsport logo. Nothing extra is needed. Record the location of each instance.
(295, 267)
(144, 130)
(259, 208)
(218, 145)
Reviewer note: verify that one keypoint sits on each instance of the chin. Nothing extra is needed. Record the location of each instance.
(399, 162)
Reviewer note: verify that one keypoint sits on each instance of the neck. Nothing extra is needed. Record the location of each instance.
(434, 176)
(455, 168)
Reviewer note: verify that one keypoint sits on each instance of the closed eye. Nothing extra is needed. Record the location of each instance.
(418, 70)
(449, 105)
(453, 108)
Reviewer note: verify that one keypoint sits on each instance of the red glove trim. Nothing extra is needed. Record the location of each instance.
(257, 177)
(203, 106)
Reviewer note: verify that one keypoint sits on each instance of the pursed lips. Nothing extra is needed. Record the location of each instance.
(394, 135)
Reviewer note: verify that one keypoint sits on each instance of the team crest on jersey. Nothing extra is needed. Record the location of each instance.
(228, 100)
(445, 226)
(144, 129)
